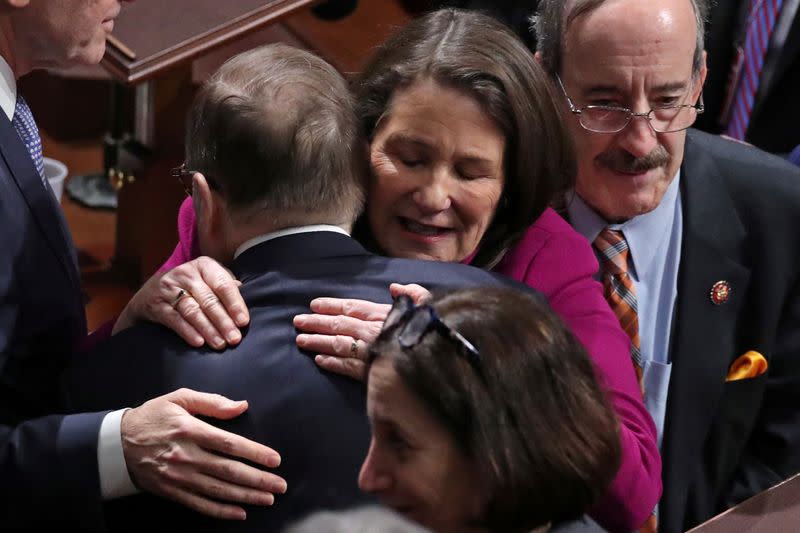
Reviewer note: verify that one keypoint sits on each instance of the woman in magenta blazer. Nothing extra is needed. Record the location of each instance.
(467, 150)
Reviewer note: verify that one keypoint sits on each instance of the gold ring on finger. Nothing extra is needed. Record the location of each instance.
(178, 297)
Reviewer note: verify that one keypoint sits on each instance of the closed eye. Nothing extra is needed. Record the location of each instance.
(607, 103)
(411, 162)
(667, 101)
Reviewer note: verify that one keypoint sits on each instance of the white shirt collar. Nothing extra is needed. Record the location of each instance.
(283, 233)
(8, 89)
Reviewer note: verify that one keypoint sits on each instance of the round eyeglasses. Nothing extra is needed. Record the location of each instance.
(609, 119)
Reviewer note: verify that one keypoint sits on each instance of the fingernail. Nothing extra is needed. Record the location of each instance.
(241, 319)
(233, 336)
(302, 340)
(320, 358)
(242, 515)
(218, 343)
(281, 488)
(300, 320)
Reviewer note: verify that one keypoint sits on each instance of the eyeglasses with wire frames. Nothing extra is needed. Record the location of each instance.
(413, 322)
(184, 177)
(611, 119)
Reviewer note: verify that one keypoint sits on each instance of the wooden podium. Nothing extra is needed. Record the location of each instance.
(151, 54)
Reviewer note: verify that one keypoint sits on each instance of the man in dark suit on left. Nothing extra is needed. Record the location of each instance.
(59, 469)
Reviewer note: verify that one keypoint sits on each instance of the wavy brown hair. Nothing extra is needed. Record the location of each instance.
(476, 54)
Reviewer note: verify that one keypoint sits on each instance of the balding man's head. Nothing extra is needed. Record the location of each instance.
(275, 136)
(554, 18)
(274, 129)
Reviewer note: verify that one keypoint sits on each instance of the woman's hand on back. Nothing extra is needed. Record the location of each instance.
(199, 300)
(341, 329)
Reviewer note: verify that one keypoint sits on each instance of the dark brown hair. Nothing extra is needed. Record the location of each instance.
(533, 418)
(276, 130)
(478, 55)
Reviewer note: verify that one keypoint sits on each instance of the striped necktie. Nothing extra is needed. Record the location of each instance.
(29, 134)
(761, 21)
(619, 289)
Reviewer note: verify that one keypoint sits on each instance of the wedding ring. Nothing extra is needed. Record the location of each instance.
(181, 294)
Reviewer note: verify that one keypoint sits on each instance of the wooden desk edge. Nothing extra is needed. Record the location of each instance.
(132, 72)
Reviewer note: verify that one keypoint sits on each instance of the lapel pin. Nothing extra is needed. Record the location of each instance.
(720, 292)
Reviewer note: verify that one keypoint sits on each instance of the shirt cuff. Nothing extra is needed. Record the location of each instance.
(115, 482)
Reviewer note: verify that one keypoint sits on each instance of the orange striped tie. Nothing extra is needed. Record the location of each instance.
(619, 290)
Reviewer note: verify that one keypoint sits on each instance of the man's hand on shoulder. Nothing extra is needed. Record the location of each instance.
(171, 453)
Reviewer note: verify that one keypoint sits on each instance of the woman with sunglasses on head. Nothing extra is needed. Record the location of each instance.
(467, 152)
(486, 415)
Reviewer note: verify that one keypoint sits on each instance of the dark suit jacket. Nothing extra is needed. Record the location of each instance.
(726, 441)
(774, 121)
(45, 462)
(314, 419)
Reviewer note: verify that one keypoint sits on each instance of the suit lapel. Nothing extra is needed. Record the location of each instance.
(40, 201)
(704, 336)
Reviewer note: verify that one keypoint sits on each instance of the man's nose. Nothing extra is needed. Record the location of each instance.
(638, 138)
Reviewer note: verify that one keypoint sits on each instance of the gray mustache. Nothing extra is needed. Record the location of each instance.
(622, 161)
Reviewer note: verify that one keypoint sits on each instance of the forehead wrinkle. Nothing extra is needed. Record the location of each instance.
(631, 33)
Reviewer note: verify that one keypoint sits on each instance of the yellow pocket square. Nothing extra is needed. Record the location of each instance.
(749, 365)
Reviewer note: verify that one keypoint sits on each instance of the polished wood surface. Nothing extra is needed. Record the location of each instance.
(163, 34)
(349, 42)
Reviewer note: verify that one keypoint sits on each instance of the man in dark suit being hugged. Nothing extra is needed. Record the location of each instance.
(276, 162)
(697, 239)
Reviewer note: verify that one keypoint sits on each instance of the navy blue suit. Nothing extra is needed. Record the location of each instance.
(46, 462)
(725, 441)
(314, 419)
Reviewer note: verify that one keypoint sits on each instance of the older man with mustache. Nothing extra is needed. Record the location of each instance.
(697, 240)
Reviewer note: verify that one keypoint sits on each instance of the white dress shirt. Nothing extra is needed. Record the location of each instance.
(8, 89)
(115, 481)
(285, 232)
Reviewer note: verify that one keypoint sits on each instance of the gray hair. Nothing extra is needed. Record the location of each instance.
(554, 17)
(275, 130)
(370, 519)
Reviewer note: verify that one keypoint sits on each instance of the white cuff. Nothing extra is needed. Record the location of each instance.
(115, 482)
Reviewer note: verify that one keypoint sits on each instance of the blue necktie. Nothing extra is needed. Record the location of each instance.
(26, 129)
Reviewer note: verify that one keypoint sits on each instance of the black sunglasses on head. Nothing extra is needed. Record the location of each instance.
(412, 322)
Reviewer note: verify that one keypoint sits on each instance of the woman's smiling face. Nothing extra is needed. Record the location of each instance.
(437, 174)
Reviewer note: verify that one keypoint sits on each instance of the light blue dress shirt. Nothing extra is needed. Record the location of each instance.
(654, 243)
